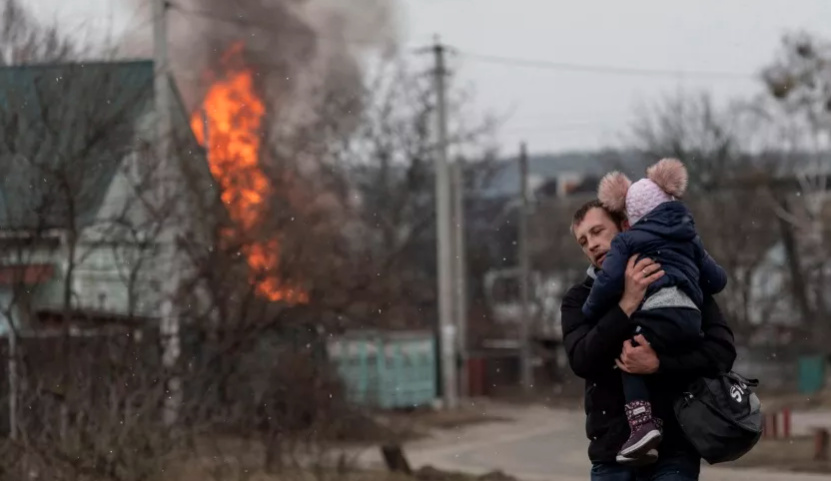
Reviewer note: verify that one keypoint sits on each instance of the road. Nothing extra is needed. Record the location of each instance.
(542, 444)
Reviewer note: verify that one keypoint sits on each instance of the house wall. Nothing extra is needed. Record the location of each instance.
(117, 278)
(114, 272)
(123, 263)
(100, 275)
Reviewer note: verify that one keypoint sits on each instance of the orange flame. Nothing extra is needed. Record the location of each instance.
(233, 114)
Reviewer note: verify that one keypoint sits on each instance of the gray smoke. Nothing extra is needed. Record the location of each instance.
(294, 46)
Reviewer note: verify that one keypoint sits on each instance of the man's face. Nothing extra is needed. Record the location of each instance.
(595, 234)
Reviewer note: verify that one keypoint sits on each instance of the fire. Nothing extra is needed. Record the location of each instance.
(234, 113)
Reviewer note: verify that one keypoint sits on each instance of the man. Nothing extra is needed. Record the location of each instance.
(595, 348)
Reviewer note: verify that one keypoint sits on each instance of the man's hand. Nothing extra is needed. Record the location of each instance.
(640, 359)
(638, 277)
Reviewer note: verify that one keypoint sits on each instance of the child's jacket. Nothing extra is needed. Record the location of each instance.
(667, 235)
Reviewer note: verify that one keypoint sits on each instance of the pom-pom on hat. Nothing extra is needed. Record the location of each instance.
(670, 175)
(612, 191)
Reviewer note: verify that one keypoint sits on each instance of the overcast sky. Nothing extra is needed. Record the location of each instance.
(556, 109)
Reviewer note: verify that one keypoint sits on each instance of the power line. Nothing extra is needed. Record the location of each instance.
(600, 69)
(554, 129)
(496, 59)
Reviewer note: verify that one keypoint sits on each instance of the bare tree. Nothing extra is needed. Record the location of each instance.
(347, 210)
(387, 162)
(79, 138)
(24, 40)
(82, 226)
(349, 199)
(797, 110)
(710, 140)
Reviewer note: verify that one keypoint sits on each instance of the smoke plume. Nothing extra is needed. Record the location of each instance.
(293, 46)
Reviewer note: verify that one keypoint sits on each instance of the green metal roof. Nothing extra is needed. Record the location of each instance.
(64, 131)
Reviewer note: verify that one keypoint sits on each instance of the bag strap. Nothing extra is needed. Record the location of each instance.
(739, 378)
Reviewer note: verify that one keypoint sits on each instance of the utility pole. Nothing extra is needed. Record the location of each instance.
(169, 314)
(161, 79)
(524, 268)
(447, 329)
(460, 271)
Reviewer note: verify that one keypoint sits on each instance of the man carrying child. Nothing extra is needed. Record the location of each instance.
(600, 348)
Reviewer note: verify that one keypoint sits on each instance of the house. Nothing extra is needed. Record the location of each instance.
(87, 220)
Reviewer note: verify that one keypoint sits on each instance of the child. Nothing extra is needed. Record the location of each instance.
(669, 318)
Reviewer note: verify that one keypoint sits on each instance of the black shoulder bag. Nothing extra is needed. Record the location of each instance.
(721, 416)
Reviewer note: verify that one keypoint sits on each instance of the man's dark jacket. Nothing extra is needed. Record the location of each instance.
(593, 346)
(666, 235)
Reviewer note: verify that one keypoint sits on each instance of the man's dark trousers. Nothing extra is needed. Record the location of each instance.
(673, 468)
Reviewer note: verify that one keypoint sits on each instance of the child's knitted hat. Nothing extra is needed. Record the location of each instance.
(665, 181)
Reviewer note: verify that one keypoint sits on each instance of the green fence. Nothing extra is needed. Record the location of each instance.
(389, 370)
(811, 374)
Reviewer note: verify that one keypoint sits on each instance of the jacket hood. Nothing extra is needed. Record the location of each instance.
(592, 272)
(670, 220)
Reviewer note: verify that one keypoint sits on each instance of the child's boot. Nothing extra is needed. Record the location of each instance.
(645, 433)
(650, 457)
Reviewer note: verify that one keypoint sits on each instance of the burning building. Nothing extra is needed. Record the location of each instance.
(253, 73)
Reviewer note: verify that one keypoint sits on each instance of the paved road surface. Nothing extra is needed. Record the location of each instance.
(543, 444)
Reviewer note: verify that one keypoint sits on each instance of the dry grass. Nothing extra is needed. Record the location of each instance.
(786, 455)
(236, 460)
(231, 459)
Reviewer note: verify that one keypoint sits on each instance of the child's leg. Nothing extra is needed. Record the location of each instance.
(634, 385)
(645, 434)
(634, 388)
